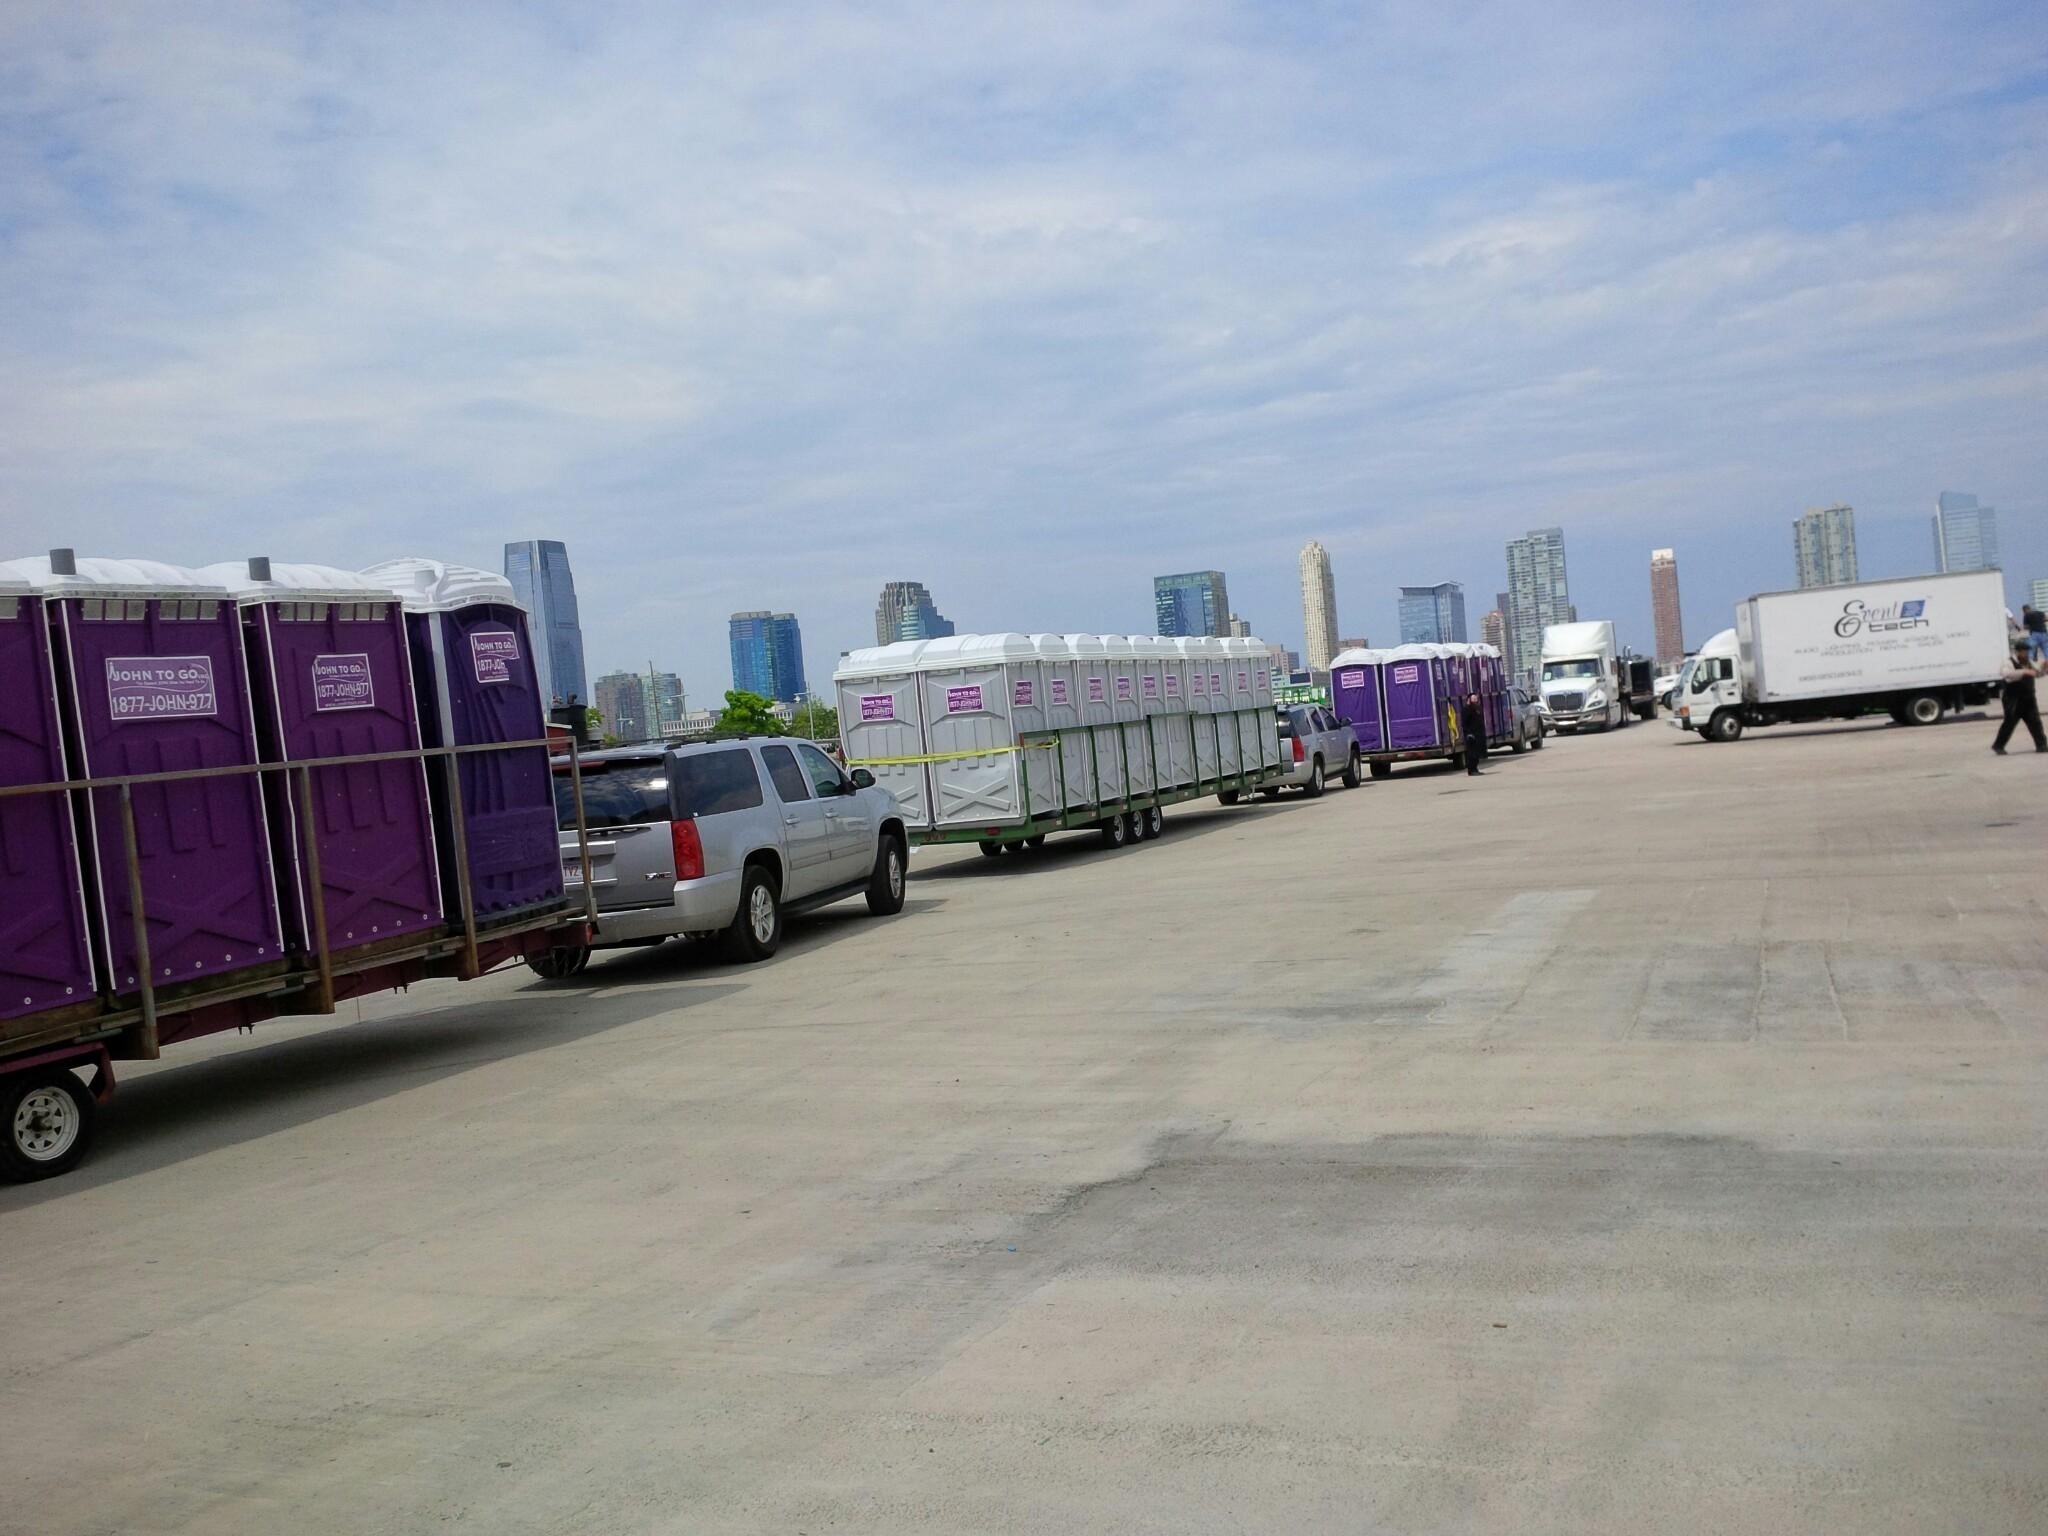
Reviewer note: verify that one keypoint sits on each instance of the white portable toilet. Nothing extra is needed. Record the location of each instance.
(965, 683)
(1070, 782)
(1031, 675)
(1201, 719)
(881, 723)
(1152, 653)
(1094, 687)
(1127, 710)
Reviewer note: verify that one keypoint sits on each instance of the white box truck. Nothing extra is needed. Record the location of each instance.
(1910, 648)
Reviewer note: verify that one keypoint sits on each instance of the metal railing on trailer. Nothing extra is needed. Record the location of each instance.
(105, 1029)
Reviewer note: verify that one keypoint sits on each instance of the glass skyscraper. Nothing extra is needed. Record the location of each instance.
(539, 572)
(1965, 533)
(1192, 603)
(1433, 615)
(906, 611)
(768, 655)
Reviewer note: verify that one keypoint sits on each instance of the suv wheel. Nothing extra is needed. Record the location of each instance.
(1314, 786)
(756, 930)
(885, 885)
(1351, 773)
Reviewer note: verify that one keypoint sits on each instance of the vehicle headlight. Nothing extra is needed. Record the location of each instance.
(1596, 697)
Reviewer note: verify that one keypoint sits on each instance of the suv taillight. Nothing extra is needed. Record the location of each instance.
(689, 852)
(1298, 753)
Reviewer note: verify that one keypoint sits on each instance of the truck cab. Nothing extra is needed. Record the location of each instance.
(1578, 685)
(1710, 681)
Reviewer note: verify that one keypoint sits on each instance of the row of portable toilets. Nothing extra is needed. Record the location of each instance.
(1408, 699)
(111, 668)
(957, 729)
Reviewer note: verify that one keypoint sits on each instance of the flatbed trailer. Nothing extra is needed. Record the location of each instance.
(47, 1116)
(1119, 818)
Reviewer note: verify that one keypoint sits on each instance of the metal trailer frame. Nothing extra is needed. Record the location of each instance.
(100, 1032)
(1093, 812)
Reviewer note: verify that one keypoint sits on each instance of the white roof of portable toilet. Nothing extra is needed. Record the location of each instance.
(1118, 647)
(1358, 657)
(963, 650)
(880, 660)
(433, 586)
(296, 582)
(1052, 647)
(1084, 647)
(99, 575)
(10, 583)
(1416, 652)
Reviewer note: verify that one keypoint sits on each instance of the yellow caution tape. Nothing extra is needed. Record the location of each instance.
(947, 757)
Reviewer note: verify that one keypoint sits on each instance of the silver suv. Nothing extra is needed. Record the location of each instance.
(1313, 745)
(724, 838)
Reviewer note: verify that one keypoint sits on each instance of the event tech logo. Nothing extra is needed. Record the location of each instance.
(1857, 618)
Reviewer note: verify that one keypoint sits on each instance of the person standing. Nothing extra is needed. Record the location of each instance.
(2035, 622)
(2020, 702)
(1472, 719)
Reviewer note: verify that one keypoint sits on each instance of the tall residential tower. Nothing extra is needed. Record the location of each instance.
(1665, 619)
(539, 572)
(1965, 533)
(1539, 594)
(1824, 545)
(1318, 606)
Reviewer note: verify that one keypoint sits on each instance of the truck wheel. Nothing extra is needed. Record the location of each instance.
(1155, 823)
(989, 847)
(885, 885)
(1116, 831)
(1351, 773)
(1923, 709)
(756, 929)
(1380, 770)
(1725, 726)
(559, 962)
(47, 1116)
(1314, 786)
(1228, 797)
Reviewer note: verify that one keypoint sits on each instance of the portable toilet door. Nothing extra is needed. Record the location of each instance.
(1094, 687)
(475, 685)
(1175, 725)
(964, 681)
(331, 677)
(152, 679)
(1066, 766)
(1355, 696)
(1155, 669)
(1201, 722)
(46, 961)
(1228, 726)
(1414, 711)
(1038, 759)
(1128, 712)
(881, 723)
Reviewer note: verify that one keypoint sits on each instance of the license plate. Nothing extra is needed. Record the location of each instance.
(572, 874)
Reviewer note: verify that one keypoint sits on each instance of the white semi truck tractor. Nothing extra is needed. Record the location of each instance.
(1911, 649)
(1579, 686)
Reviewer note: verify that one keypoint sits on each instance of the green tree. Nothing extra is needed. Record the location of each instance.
(819, 722)
(746, 714)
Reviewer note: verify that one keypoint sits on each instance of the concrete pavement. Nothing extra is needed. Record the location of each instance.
(1645, 1137)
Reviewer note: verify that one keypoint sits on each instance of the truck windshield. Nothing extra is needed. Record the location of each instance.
(1587, 667)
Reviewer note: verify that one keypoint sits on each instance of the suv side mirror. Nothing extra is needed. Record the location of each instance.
(862, 779)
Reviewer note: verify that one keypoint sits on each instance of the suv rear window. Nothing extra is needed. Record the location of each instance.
(709, 783)
(615, 794)
(1286, 725)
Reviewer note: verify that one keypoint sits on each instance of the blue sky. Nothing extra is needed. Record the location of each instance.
(759, 306)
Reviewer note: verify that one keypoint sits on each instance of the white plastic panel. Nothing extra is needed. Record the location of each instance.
(434, 586)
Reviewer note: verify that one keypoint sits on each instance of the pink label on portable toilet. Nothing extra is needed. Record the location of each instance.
(878, 706)
(160, 687)
(1407, 674)
(1123, 690)
(1022, 694)
(1197, 682)
(1173, 685)
(343, 682)
(1244, 682)
(1097, 693)
(494, 651)
(1215, 682)
(964, 699)
(1058, 685)
(1350, 679)
(1151, 686)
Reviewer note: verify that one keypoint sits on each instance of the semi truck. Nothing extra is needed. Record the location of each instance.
(1911, 648)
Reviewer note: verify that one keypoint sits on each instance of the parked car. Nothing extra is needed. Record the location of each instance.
(1666, 686)
(1313, 745)
(1530, 724)
(724, 839)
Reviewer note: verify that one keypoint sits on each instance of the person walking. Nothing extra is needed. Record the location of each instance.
(2020, 703)
(1472, 719)
(2035, 623)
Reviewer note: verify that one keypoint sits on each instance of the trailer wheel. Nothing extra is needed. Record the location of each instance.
(1381, 770)
(1351, 773)
(1155, 823)
(559, 962)
(886, 883)
(756, 929)
(1923, 709)
(1035, 841)
(989, 847)
(1116, 831)
(47, 1115)
(1725, 726)
(1227, 797)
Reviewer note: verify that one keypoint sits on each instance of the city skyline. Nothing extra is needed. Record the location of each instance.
(767, 652)
(1667, 618)
(1433, 615)
(545, 587)
(1824, 546)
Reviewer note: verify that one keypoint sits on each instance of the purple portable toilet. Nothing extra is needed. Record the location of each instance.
(45, 949)
(1355, 696)
(332, 678)
(1417, 694)
(473, 676)
(151, 679)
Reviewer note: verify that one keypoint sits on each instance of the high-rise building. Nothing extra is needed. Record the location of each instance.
(665, 701)
(1965, 533)
(1493, 630)
(1507, 633)
(1240, 629)
(1318, 606)
(1664, 615)
(2038, 593)
(1354, 643)
(906, 611)
(622, 705)
(1433, 615)
(539, 572)
(1824, 545)
(1192, 603)
(767, 655)
(1539, 595)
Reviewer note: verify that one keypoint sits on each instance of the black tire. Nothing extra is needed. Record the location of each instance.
(1228, 797)
(989, 847)
(1314, 786)
(46, 1118)
(1035, 841)
(1519, 743)
(756, 929)
(1538, 742)
(1922, 709)
(1352, 776)
(1116, 831)
(1155, 823)
(1725, 726)
(1141, 828)
(1270, 791)
(560, 962)
(1380, 770)
(891, 874)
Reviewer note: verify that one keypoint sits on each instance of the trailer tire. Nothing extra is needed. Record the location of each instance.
(1725, 726)
(989, 847)
(1035, 841)
(1116, 831)
(1351, 774)
(47, 1115)
(1227, 797)
(1922, 709)
(559, 962)
(756, 929)
(1314, 786)
(1380, 770)
(1155, 823)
